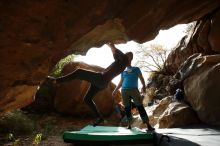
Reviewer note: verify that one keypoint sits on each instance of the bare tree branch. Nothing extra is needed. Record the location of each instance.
(156, 53)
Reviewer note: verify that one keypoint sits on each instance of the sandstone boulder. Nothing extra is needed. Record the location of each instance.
(69, 97)
(157, 110)
(169, 113)
(203, 39)
(19, 97)
(177, 114)
(35, 35)
(214, 33)
(202, 88)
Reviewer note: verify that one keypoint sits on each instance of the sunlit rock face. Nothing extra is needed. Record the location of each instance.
(200, 72)
(196, 63)
(169, 113)
(172, 113)
(204, 39)
(202, 87)
(177, 114)
(36, 34)
(69, 97)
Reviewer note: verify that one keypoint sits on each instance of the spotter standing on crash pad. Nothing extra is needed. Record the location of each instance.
(129, 84)
(98, 80)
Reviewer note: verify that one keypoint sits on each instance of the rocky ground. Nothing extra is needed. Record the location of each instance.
(47, 132)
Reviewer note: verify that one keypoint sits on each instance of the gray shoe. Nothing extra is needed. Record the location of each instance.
(129, 124)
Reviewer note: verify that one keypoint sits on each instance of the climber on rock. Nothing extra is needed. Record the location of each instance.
(98, 80)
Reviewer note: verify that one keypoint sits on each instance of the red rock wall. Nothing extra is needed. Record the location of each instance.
(69, 97)
(34, 35)
(202, 87)
(205, 40)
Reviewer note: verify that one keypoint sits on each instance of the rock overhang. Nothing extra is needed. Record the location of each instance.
(36, 34)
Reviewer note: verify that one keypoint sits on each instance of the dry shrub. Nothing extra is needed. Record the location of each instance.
(16, 122)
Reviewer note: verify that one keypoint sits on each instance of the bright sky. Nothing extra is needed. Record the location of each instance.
(103, 56)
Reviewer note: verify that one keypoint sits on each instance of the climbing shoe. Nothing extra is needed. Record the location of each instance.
(98, 121)
(150, 128)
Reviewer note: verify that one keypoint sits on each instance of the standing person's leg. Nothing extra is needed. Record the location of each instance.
(88, 100)
(135, 94)
(127, 103)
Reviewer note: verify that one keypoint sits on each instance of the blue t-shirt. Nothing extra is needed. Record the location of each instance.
(130, 77)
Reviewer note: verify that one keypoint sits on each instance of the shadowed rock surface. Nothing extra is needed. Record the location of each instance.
(69, 97)
(36, 34)
(202, 88)
(203, 39)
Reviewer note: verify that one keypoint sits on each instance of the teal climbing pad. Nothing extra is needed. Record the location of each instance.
(108, 134)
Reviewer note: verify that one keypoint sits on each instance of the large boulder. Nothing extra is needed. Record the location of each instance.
(204, 38)
(19, 97)
(202, 87)
(69, 97)
(36, 34)
(177, 114)
(157, 110)
(169, 113)
(214, 33)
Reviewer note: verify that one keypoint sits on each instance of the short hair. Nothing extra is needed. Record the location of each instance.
(130, 54)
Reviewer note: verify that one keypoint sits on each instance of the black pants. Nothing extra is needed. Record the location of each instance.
(127, 95)
(97, 83)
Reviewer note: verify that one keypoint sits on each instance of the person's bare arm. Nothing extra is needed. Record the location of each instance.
(143, 83)
(117, 87)
(117, 54)
(112, 46)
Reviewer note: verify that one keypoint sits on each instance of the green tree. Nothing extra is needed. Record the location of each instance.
(190, 27)
(56, 72)
(45, 94)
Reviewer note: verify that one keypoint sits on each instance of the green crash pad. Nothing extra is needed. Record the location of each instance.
(107, 134)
